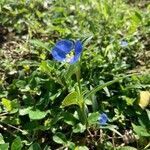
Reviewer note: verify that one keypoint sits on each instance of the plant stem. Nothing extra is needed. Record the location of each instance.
(23, 132)
(78, 74)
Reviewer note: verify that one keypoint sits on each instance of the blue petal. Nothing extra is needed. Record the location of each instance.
(61, 49)
(103, 119)
(78, 50)
(64, 46)
(58, 55)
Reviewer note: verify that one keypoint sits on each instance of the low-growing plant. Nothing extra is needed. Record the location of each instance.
(59, 92)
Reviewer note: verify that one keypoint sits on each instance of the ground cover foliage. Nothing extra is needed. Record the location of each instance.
(45, 104)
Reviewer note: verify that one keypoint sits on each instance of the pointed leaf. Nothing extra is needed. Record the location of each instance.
(140, 130)
(35, 146)
(72, 99)
(17, 144)
(37, 114)
(59, 138)
(40, 44)
(100, 87)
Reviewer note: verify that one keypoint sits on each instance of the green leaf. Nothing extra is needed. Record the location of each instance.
(59, 138)
(71, 145)
(100, 87)
(129, 100)
(37, 114)
(4, 146)
(69, 118)
(11, 106)
(45, 67)
(13, 120)
(79, 128)
(15, 106)
(20, 84)
(39, 44)
(35, 146)
(72, 99)
(81, 148)
(1, 139)
(136, 17)
(127, 148)
(17, 144)
(7, 104)
(93, 117)
(24, 111)
(140, 130)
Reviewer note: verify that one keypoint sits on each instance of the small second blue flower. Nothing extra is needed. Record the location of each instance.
(103, 119)
(64, 47)
(123, 43)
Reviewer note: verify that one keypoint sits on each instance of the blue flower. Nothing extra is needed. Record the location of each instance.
(123, 44)
(103, 119)
(63, 48)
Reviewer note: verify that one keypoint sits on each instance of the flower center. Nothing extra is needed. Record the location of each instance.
(69, 56)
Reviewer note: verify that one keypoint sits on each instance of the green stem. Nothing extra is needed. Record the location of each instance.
(82, 114)
(82, 109)
(78, 74)
(16, 128)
